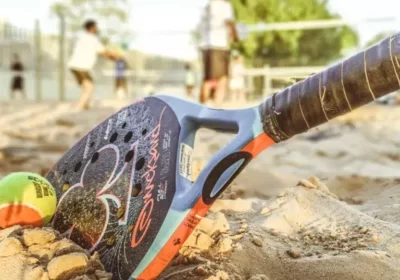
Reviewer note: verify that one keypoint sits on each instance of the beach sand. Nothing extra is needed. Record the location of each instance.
(322, 205)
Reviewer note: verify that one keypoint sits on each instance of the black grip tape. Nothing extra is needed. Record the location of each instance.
(340, 89)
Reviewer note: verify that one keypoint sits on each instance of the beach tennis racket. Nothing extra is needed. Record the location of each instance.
(125, 189)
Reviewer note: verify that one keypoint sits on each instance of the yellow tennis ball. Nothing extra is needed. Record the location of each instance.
(26, 199)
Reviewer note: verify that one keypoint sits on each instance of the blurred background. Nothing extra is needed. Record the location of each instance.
(287, 41)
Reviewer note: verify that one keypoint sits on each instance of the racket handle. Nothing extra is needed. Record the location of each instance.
(338, 90)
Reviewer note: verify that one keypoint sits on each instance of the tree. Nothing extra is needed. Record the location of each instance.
(378, 37)
(297, 47)
(111, 15)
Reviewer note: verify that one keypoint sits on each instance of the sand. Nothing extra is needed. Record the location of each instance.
(323, 205)
(42, 254)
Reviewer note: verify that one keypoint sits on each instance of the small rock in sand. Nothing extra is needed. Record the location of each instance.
(225, 245)
(65, 122)
(67, 263)
(293, 238)
(259, 277)
(306, 184)
(282, 194)
(363, 230)
(199, 240)
(265, 211)
(374, 238)
(10, 247)
(39, 236)
(257, 241)
(237, 237)
(221, 275)
(213, 223)
(309, 254)
(201, 270)
(274, 233)
(362, 245)
(294, 253)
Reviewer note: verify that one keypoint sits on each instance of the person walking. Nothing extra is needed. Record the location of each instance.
(84, 57)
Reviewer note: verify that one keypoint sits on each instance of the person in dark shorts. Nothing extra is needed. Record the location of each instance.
(17, 81)
(83, 59)
(217, 28)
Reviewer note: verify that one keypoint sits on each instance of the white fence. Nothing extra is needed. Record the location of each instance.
(283, 74)
(141, 82)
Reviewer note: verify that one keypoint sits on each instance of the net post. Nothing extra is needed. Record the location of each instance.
(267, 81)
(61, 57)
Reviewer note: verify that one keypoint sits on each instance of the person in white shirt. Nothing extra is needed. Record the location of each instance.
(84, 58)
(217, 29)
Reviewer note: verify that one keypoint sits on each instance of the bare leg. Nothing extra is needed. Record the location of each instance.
(23, 93)
(87, 90)
(242, 95)
(220, 92)
(126, 90)
(116, 92)
(189, 91)
(235, 95)
(205, 91)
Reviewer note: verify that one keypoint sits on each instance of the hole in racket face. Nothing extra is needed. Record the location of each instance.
(78, 166)
(114, 137)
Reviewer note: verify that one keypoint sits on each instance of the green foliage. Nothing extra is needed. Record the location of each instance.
(379, 37)
(111, 15)
(291, 48)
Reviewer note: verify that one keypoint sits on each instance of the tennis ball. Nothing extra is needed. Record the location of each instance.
(26, 199)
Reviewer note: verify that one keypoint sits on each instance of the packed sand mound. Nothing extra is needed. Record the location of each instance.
(305, 233)
(41, 254)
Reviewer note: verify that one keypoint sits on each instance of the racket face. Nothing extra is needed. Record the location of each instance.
(124, 190)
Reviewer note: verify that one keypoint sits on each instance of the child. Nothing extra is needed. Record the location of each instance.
(121, 84)
(17, 82)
